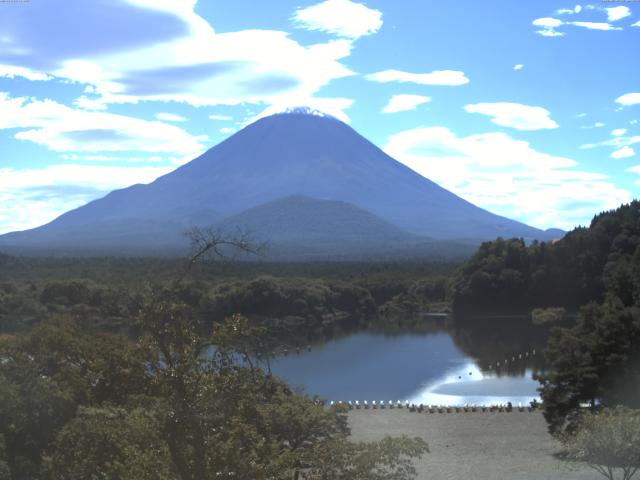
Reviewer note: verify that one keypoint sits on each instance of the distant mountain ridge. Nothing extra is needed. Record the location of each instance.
(299, 156)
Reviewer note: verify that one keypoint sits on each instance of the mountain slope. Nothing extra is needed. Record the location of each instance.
(299, 219)
(281, 155)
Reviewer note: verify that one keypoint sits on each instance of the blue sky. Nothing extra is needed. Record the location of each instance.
(528, 109)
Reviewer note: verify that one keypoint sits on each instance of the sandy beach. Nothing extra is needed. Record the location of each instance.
(473, 446)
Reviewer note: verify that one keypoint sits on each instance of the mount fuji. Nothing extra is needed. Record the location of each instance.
(295, 179)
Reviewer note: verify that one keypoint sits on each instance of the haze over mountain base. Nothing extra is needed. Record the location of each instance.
(307, 184)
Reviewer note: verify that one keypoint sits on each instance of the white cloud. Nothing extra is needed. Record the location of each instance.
(549, 26)
(437, 77)
(624, 152)
(9, 71)
(635, 169)
(519, 66)
(595, 125)
(628, 99)
(637, 24)
(514, 115)
(404, 102)
(507, 176)
(32, 197)
(340, 17)
(617, 13)
(170, 117)
(220, 117)
(335, 107)
(164, 51)
(61, 128)
(547, 22)
(618, 132)
(549, 33)
(616, 142)
(595, 25)
(227, 130)
(569, 11)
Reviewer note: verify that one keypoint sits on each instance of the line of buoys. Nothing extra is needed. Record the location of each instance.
(420, 408)
(514, 358)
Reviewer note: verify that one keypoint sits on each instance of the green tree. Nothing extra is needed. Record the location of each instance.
(223, 415)
(5, 471)
(111, 442)
(47, 373)
(607, 441)
(596, 362)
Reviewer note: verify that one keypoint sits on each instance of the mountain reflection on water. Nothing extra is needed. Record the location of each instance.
(444, 366)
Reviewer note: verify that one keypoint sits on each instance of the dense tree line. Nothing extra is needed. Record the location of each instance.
(301, 309)
(578, 269)
(597, 361)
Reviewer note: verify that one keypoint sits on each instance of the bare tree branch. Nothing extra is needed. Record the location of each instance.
(214, 242)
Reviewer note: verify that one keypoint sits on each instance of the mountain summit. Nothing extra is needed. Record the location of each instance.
(297, 153)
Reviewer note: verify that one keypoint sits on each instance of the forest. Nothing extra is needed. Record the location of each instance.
(595, 270)
(103, 370)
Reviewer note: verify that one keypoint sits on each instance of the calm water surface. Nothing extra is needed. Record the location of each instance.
(421, 368)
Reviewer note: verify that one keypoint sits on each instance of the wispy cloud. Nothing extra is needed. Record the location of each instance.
(635, 169)
(12, 71)
(336, 107)
(569, 11)
(624, 152)
(220, 117)
(33, 196)
(616, 142)
(549, 25)
(165, 51)
(507, 176)
(514, 115)
(450, 78)
(404, 102)
(343, 18)
(519, 66)
(170, 117)
(61, 128)
(595, 25)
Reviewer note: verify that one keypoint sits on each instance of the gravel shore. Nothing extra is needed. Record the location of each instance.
(473, 446)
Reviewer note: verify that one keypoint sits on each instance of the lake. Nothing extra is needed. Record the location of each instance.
(421, 368)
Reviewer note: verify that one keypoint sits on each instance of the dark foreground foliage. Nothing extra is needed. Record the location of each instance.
(173, 404)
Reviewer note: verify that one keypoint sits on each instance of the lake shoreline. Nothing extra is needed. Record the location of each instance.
(479, 446)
